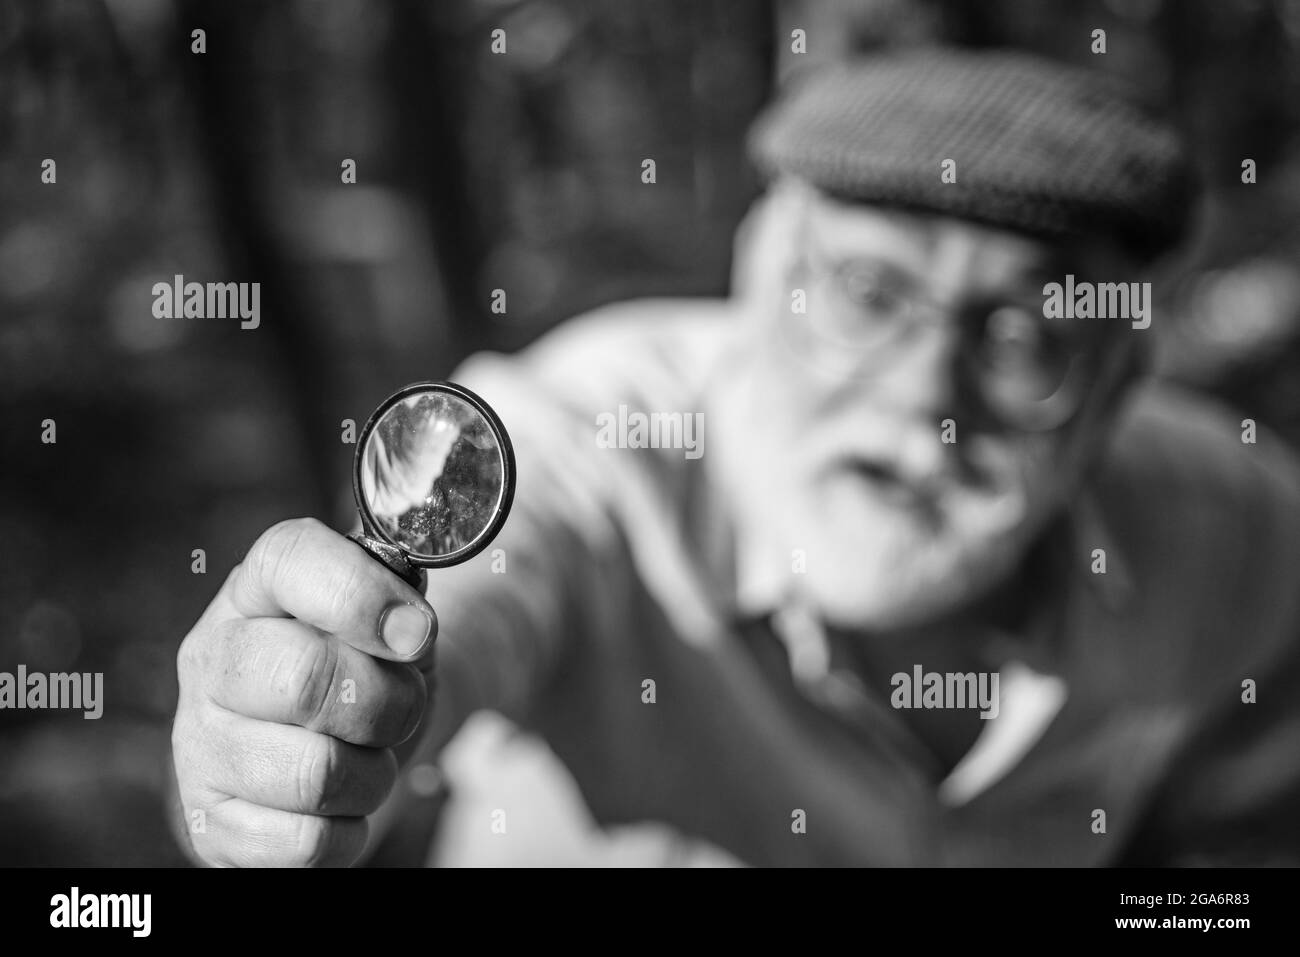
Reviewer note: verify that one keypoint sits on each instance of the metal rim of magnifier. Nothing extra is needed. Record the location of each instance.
(504, 500)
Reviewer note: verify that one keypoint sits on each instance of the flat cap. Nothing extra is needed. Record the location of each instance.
(1039, 147)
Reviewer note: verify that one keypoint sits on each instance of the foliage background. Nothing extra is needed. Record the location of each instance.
(474, 172)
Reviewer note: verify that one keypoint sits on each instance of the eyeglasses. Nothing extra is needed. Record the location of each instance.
(1028, 375)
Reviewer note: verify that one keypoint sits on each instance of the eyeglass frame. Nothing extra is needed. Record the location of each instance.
(1080, 379)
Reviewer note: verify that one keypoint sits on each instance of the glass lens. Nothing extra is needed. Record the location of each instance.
(432, 473)
(862, 308)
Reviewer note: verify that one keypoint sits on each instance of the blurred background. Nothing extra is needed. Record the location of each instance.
(474, 171)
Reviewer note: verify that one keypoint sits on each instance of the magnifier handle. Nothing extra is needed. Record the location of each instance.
(392, 559)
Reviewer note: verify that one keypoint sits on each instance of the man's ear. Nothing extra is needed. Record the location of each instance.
(1135, 365)
(1128, 368)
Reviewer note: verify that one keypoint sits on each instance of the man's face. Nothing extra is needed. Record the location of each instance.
(893, 448)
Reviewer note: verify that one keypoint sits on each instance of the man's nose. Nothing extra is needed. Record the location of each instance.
(921, 379)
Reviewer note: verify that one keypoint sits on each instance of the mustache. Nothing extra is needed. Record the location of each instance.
(927, 466)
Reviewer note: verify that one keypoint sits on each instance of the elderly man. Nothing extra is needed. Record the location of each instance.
(942, 581)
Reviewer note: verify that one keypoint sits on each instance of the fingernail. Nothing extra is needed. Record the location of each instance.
(405, 629)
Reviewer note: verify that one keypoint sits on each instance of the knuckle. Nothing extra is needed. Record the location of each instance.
(277, 547)
(349, 592)
(194, 655)
(192, 753)
(181, 736)
(189, 659)
(206, 846)
(214, 842)
(380, 780)
(217, 648)
(386, 778)
(415, 697)
(230, 652)
(200, 821)
(182, 742)
(318, 773)
(313, 840)
(309, 680)
(228, 841)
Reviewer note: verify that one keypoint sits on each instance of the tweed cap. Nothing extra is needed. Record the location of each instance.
(1039, 147)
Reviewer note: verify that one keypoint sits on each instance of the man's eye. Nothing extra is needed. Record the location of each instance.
(866, 290)
(1013, 335)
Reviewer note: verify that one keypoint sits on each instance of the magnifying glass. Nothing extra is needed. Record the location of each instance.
(434, 476)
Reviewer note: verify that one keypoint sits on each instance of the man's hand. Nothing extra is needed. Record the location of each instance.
(295, 685)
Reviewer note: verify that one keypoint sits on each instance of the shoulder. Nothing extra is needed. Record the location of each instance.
(1208, 523)
(1195, 451)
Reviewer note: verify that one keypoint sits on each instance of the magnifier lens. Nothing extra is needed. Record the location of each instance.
(434, 477)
